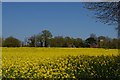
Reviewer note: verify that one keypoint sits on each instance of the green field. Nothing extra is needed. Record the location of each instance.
(60, 63)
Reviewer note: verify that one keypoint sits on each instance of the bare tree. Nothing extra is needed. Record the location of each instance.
(106, 12)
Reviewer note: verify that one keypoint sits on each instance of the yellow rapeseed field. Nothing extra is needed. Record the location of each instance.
(51, 62)
(55, 52)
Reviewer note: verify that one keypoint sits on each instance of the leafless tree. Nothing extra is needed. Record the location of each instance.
(106, 12)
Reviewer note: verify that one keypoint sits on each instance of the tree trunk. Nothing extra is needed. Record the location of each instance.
(45, 43)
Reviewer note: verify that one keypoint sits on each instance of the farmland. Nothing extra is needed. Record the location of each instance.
(60, 63)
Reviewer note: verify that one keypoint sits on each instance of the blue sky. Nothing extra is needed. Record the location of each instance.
(60, 0)
(23, 19)
(0, 19)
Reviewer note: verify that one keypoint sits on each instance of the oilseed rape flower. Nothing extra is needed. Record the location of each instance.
(52, 63)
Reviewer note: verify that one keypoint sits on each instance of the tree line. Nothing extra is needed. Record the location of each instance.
(46, 39)
(107, 13)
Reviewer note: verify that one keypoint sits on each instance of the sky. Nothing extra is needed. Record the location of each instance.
(0, 19)
(60, 0)
(24, 19)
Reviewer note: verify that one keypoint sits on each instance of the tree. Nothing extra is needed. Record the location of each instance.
(57, 41)
(78, 42)
(60, 41)
(46, 36)
(31, 41)
(90, 42)
(39, 41)
(11, 42)
(101, 40)
(68, 42)
(106, 12)
(105, 42)
(114, 44)
(1, 39)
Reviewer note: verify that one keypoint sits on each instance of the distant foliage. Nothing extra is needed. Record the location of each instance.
(45, 39)
(1, 42)
(90, 41)
(40, 40)
(11, 42)
(59, 41)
